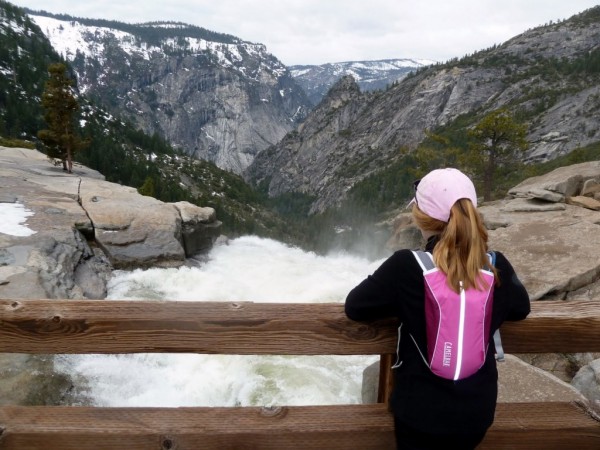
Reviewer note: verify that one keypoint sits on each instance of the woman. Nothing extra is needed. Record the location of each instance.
(430, 411)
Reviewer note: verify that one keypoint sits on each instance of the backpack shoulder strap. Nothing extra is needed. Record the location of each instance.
(492, 257)
(424, 259)
(497, 339)
(498, 345)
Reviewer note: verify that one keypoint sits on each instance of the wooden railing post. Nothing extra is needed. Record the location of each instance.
(386, 379)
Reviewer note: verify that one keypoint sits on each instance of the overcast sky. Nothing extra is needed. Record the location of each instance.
(321, 31)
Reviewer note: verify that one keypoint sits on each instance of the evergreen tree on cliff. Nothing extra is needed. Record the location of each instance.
(60, 139)
(497, 140)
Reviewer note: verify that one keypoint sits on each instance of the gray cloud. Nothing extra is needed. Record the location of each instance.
(316, 31)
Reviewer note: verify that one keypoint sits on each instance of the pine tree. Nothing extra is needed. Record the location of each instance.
(148, 187)
(498, 140)
(60, 139)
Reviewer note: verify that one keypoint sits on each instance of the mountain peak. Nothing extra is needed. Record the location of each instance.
(370, 75)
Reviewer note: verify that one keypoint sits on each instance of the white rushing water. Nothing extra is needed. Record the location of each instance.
(246, 269)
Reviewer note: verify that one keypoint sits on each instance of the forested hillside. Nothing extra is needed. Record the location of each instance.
(24, 58)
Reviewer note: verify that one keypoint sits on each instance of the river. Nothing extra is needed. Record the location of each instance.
(244, 269)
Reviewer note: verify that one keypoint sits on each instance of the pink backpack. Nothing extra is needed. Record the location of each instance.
(458, 324)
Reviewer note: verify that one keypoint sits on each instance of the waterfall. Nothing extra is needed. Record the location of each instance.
(244, 269)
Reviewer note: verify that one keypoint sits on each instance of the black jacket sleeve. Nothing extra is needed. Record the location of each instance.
(373, 298)
(510, 296)
(379, 295)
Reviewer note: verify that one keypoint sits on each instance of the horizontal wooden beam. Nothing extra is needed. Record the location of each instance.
(543, 425)
(518, 426)
(108, 326)
(113, 326)
(555, 327)
(72, 428)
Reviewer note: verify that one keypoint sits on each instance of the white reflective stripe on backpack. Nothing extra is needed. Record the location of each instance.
(398, 362)
(461, 331)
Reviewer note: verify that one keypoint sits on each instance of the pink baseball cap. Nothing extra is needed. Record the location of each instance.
(436, 192)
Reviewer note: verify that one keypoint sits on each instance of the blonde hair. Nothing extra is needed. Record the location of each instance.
(461, 251)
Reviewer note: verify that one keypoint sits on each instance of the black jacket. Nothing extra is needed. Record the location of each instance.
(421, 399)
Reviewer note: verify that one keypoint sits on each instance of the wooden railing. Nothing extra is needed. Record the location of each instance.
(112, 327)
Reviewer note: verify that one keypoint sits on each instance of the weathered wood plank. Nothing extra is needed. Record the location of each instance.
(323, 427)
(543, 425)
(555, 327)
(517, 426)
(102, 326)
(109, 326)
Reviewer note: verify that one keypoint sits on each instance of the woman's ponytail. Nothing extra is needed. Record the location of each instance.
(461, 251)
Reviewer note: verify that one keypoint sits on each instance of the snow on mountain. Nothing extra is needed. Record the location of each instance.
(370, 75)
(212, 95)
(70, 38)
(359, 68)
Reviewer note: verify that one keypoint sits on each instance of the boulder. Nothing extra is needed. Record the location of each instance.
(584, 202)
(546, 195)
(590, 187)
(133, 230)
(404, 233)
(567, 181)
(547, 249)
(519, 382)
(534, 204)
(587, 380)
(199, 228)
(42, 264)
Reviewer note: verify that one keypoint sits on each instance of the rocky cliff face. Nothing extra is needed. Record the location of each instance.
(306, 160)
(214, 96)
(548, 76)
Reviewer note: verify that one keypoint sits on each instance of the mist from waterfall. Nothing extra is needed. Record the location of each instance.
(244, 269)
